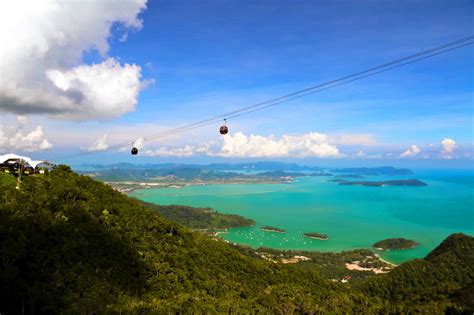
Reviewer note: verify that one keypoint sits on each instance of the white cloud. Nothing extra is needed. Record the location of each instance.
(42, 45)
(354, 139)
(307, 145)
(411, 152)
(185, 151)
(103, 90)
(239, 145)
(99, 145)
(449, 145)
(18, 138)
(22, 120)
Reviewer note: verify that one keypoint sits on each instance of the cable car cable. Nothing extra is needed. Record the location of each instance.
(298, 94)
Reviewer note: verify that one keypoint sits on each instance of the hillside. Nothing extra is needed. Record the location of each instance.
(200, 218)
(430, 283)
(70, 244)
(395, 244)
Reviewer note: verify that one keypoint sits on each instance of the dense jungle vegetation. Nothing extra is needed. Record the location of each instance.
(200, 218)
(395, 243)
(70, 244)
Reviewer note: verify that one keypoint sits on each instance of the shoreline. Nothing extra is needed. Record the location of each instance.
(386, 261)
(317, 238)
(274, 231)
(129, 187)
(380, 249)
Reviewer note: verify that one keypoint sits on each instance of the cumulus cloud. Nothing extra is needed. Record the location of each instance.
(449, 145)
(22, 138)
(99, 145)
(239, 145)
(22, 120)
(41, 68)
(185, 151)
(363, 155)
(411, 152)
(354, 139)
(312, 144)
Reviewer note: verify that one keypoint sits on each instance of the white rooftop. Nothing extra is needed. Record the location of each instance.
(9, 156)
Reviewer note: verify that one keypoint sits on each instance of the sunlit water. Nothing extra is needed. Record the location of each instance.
(352, 216)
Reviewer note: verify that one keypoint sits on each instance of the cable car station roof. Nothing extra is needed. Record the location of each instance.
(11, 156)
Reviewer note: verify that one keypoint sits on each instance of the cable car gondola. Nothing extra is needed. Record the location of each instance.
(223, 129)
(134, 151)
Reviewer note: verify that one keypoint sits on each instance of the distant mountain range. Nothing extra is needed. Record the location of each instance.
(383, 170)
(256, 166)
(228, 172)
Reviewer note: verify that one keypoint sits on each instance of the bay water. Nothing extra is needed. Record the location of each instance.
(352, 216)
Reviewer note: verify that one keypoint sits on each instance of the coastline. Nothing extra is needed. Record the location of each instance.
(248, 203)
(128, 187)
(385, 261)
(380, 249)
(274, 231)
(317, 238)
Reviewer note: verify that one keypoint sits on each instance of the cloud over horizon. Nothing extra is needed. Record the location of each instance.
(41, 67)
(411, 152)
(99, 145)
(20, 137)
(448, 145)
(312, 144)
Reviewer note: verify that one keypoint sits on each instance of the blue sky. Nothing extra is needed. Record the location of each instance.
(210, 57)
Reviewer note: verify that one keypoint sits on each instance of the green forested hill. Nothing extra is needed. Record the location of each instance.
(69, 244)
(429, 283)
(200, 218)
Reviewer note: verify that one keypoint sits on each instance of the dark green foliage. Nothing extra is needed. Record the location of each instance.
(395, 243)
(316, 235)
(329, 265)
(200, 218)
(272, 229)
(74, 245)
(429, 283)
(69, 244)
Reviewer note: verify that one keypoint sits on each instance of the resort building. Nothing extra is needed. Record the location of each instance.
(12, 163)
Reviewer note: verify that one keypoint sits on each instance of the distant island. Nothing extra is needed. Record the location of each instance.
(318, 236)
(268, 228)
(383, 170)
(395, 244)
(274, 174)
(338, 180)
(398, 182)
(127, 177)
(349, 176)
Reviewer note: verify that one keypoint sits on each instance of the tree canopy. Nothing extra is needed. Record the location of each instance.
(70, 244)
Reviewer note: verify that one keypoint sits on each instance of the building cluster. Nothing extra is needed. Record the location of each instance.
(16, 164)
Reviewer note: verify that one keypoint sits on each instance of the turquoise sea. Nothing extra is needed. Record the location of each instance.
(352, 216)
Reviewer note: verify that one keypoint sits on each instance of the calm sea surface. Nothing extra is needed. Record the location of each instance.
(352, 216)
